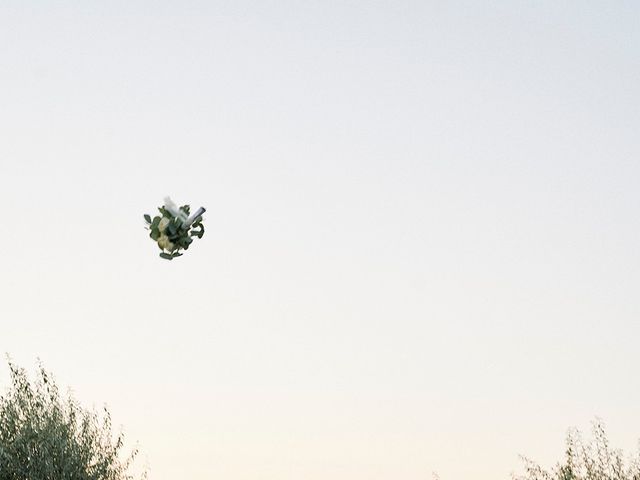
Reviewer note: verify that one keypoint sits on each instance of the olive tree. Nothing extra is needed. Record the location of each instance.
(45, 435)
(587, 460)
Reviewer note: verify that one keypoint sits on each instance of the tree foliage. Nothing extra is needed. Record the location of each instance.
(587, 460)
(45, 435)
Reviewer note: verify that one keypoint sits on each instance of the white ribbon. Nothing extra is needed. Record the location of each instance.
(175, 211)
(193, 217)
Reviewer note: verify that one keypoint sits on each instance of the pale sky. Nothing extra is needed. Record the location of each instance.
(422, 249)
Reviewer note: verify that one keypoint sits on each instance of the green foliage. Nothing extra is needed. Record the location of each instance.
(173, 234)
(592, 460)
(47, 436)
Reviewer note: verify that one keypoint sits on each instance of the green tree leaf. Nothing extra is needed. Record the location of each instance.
(46, 434)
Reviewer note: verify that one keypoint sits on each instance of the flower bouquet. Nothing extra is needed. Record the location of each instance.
(173, 230)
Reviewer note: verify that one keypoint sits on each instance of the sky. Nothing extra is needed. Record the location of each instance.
(422, 228)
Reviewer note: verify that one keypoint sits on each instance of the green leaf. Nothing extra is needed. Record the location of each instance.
(166, 256)
(165, 213)
(147, 218)
(198, 233)
(155, 233)
(184, 242)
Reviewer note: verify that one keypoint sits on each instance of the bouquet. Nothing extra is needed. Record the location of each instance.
(173, 230)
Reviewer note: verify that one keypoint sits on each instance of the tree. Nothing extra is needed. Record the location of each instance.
(47, 436)
(591, 460)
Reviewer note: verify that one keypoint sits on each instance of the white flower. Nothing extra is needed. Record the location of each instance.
(165, 243)
(164, 223)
